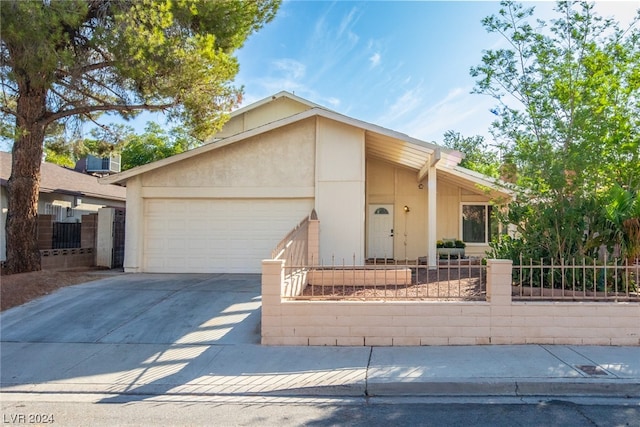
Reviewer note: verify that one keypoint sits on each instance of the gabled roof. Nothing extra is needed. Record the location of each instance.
(281, 94)
(388, 144)
(58, 179)
(381, 143)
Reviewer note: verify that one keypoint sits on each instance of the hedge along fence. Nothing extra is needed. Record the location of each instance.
(613, 280)
(496, 320)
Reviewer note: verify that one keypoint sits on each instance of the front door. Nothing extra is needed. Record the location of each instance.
(380, 231)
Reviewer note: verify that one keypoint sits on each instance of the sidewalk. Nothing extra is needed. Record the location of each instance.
(129, 337)
(136, 371)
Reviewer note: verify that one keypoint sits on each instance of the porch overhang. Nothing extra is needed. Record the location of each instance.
(401, 149)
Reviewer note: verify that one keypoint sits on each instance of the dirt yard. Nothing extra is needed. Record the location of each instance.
(464, 284)
(17, 289)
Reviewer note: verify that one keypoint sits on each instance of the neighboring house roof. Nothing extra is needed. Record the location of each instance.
(58, 179)
(382, 143)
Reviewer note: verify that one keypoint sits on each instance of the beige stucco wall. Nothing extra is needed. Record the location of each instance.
(86, 206)
(277, 109)
(391, 184)
(400, 323)
(340, 191)
(282, 158)
(275, 165)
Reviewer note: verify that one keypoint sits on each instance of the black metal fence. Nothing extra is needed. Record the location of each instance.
(66, 235)
(611, 280)
(450, 280)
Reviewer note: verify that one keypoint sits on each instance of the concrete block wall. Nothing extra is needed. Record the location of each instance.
(499, 320)
(89, 231)
(85, 256)
(45, 231)
(52, 259)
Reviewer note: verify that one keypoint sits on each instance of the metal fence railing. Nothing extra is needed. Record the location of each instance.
(611, 280)
(451, 280)
(66, 235)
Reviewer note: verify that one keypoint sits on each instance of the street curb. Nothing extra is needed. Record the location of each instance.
(506, 388)
(461, 388)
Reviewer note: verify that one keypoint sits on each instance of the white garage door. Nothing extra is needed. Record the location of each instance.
(217, 235)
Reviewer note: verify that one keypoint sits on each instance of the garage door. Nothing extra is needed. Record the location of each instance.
(216, 236)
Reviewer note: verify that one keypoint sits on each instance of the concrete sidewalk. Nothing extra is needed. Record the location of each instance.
(129, 337)
(136, 371)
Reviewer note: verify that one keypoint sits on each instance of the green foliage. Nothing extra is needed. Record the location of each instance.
(569, 127)
(103, 142)
(619, 223)
(155, 144)
(76, 59)
(96, 56)
(477, 155)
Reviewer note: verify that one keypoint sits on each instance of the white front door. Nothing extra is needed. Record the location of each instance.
(380, 231)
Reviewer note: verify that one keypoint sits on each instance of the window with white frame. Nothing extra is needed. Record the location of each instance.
(54, 210)
(477, 224)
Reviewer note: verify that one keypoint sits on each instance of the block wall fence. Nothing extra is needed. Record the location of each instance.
(84, 256)
(498, 320)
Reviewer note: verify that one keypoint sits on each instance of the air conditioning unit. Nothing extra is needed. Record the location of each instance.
(99, 166)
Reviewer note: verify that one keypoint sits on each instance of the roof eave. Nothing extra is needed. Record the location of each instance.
(122, 177)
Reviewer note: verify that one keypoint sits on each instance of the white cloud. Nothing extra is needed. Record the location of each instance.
(333, 102)
(458, 110)
(347, 22)
(291, 68)
(375, 59)
(409, 101)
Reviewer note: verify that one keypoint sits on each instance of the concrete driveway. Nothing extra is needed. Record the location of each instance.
(143, 309)
(132, 336)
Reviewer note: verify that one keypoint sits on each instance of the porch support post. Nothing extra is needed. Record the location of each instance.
(431, 217)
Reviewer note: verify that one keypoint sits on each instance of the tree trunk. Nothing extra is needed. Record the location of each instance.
(24, 184)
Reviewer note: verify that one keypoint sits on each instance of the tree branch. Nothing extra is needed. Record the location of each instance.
(106, 107)
(85, 69)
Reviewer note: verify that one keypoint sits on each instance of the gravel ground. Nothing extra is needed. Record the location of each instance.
(443, 284)
(17, 289)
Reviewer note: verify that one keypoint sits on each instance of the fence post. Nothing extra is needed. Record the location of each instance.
(313, 241)
(272, 282)
(45, 232)
(88, 230)
(104, 240)
(499, 297)
(499, 281)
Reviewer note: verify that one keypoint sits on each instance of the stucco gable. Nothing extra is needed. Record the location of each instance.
(282, 157)
(265, 111)
(382, 143)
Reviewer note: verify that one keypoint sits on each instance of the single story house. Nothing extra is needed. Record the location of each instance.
(379, 194)
(64, 193)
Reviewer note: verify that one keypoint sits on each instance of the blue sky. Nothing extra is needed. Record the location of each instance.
(401, 65)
